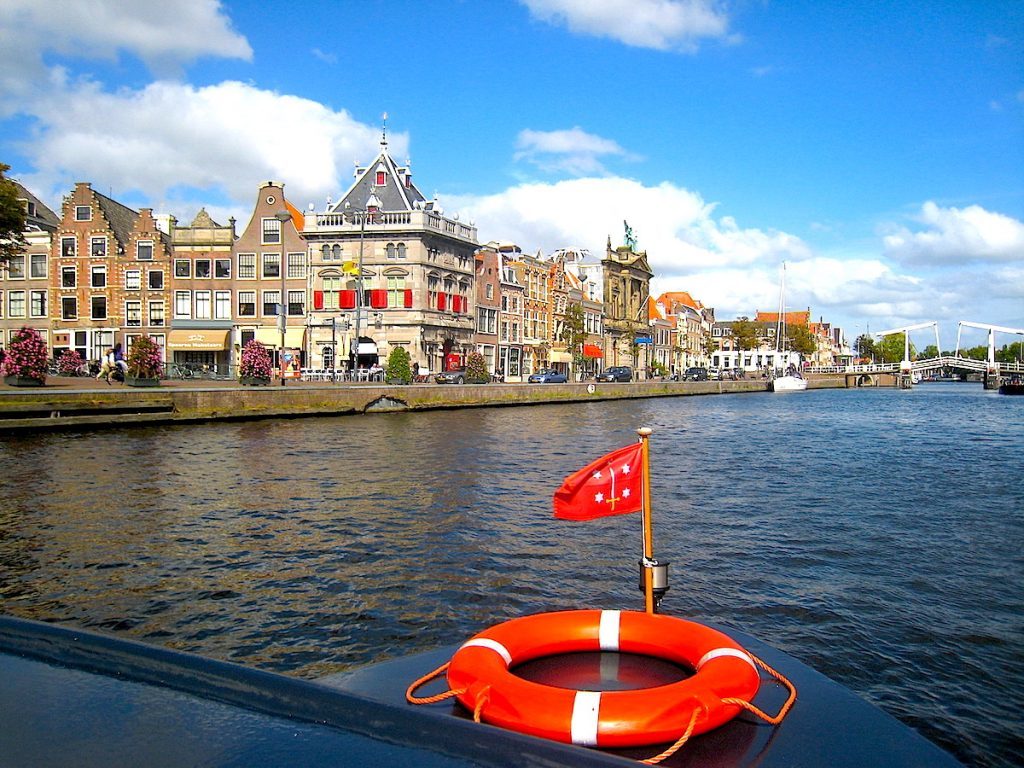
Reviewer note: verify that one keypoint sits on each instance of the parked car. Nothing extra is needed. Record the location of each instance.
(713, 373)
(696, 374)
(454, 376)
(547, 376)
(615, 373)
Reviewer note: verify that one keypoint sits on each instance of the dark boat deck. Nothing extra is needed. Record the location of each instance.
(79, 698)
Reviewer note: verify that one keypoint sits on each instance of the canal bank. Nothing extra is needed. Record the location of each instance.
(74, 403)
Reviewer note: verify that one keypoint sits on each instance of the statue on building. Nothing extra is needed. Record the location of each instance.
(630, 237)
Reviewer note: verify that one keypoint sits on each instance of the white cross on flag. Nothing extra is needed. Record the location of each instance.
(611, 485)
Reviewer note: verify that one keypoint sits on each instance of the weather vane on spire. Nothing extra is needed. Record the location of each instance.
(384, 131)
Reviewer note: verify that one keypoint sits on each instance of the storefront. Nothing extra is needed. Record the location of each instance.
(207, 349)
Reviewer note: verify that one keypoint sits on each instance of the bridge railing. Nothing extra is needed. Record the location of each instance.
(928, 364)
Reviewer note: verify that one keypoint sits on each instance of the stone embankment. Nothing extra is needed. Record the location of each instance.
(66, 403)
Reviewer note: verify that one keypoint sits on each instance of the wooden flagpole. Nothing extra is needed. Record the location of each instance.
(645, 516)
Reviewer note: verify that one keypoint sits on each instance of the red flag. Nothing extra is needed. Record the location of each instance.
(612, 485)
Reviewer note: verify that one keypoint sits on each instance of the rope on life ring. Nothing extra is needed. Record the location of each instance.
(725, 681)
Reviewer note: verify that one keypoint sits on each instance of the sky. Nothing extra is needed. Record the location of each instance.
(874, 147)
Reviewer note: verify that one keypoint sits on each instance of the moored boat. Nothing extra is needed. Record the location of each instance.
(1014, 386)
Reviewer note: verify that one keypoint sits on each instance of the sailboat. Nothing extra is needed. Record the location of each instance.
(788, 379)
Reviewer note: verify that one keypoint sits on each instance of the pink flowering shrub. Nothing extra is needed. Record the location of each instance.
(144, 359)
(26, 356)
(69, 363)
(255, 361)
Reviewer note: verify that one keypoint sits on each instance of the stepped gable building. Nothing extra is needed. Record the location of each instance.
(390, 267)
(203, 285)
(273, 234)
(534, 274)
(109, 275)
(627, 281)
(510, 320)
(24, 280)
(488, 305)
(693, 323)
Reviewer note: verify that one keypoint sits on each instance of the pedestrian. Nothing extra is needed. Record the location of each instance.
(119, 360)
(106, 366)
(415, 372)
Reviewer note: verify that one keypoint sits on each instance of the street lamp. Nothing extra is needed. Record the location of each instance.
(283, 217)
(372, 205)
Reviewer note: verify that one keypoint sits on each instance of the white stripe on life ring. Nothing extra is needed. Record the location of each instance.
(608, 633)
(585, 708)
(718, 652)
(494, 645)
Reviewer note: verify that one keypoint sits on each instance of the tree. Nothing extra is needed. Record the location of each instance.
(800, 339)
(865, 346)
(744, 333)
(1011, 353)
(890, 348)
(573, 334)
(930, 351)
(398, 370)
(12, 219)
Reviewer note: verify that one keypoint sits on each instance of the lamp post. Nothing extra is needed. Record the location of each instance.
(372, 205)
(283, 217)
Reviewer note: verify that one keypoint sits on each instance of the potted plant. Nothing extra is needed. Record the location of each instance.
(69, 363)
(255, 368)
(25, 362)
(144, 363)
(476, 369)
(398, 370)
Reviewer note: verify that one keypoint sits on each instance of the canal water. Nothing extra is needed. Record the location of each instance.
(874, 534)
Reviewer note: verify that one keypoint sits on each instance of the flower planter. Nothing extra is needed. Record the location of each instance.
(254, 381)
(133, 381)
(23, 381)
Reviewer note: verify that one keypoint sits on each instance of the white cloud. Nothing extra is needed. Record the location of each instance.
(572, 151)
(217, 138)
(957, 236)
(659, 24)
(165, 35)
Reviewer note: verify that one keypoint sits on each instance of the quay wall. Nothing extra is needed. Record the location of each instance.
(67, 408)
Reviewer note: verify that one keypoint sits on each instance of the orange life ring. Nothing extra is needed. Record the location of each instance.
(479, 671)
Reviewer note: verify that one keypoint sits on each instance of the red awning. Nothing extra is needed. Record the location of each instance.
(592, 350)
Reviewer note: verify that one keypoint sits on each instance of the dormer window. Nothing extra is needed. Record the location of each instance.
(381, 178)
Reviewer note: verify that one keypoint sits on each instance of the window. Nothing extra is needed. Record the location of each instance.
(336, 252)
(83, 213)
(68, 247)
(247, 266)
(396, 292)
(222, 269)
(182, 268)
(271, 264)
(99, 276)
(270, 299)
(37, 303)
(144, 250)
(330, 252)
(98, 247)
(133, 314)
(381, 178)
(99, 308)
(247, 303)
(156, 280)
(183, 304)
(433, 286)
(69, 308)
(1, 313)
(296, 303)
(296, 266)
(490, 291)
(332, 292)
(133, 280)
(392, 251)
(222, 305)
(156, 313)
(37, 267)
(486, 320)
(401, 250)
(15, 303)
(16, 267)
(271, 231)
(202, 268)
(203, 309)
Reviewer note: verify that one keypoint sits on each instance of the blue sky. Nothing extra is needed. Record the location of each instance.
(875, 147)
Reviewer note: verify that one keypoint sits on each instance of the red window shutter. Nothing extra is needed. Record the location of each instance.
(408, 298)
(441, 301)
(456, 304)
(318, 299)
(378, 298)
(348, 299)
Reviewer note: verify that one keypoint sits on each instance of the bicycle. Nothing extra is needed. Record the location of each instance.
(175, 371)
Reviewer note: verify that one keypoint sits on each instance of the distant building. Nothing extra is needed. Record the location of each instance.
(627, 279)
